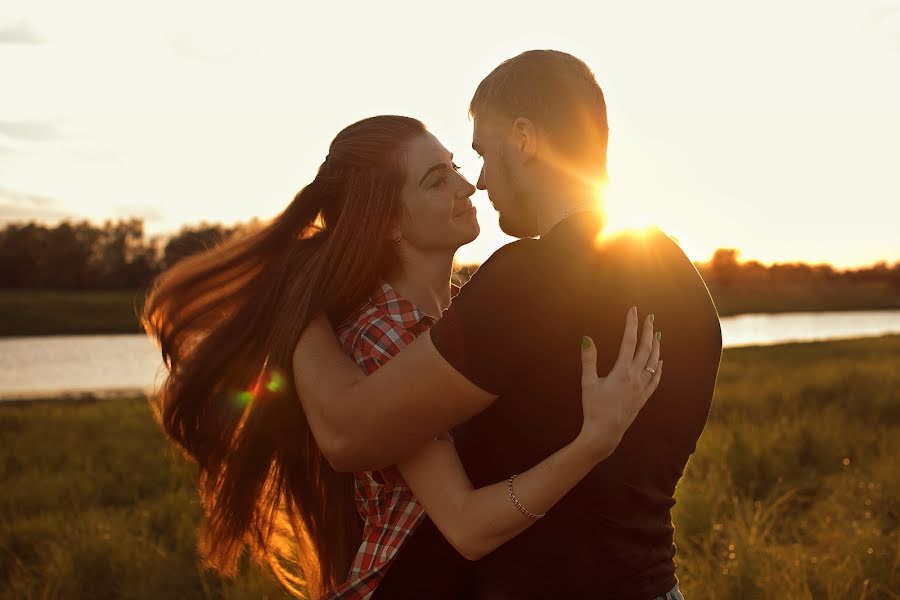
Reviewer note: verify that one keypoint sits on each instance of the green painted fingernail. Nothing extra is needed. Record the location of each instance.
(585, 342)
(658, 335)
(652, 316)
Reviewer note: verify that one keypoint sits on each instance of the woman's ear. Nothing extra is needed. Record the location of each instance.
(525, 138)
(394, 234)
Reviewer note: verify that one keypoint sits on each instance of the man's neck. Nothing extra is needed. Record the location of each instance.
(424, 280)
(557, 207)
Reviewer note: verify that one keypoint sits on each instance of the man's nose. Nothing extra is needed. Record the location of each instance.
(480, 184)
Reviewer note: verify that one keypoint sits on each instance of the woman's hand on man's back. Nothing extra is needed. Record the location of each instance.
(611, 403)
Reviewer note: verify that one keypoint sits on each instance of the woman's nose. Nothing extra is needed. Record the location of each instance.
(464, 188)
(467, 188)
(481, 185)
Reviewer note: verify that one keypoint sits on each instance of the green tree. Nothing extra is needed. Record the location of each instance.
(723, 267)
(191, 240)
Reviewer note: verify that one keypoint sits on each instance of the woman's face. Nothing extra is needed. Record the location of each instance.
(437, 209)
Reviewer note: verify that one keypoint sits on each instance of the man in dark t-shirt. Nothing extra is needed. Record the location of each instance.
(513, 331)
(503, 362)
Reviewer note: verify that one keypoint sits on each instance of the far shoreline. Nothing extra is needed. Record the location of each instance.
(74, 397)
(139, 331)
(39, 312)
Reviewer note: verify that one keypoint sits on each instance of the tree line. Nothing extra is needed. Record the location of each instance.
(725, 270)
(119, 255)
(88, 256)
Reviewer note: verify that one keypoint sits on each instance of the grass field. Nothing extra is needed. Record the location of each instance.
(794, 489)
(47, 312)
(50, 312)
(96, 505)
(793, 492)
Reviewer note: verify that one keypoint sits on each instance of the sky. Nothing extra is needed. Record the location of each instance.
(772, 127)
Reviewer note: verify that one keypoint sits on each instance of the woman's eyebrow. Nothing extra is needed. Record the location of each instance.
(433, 168)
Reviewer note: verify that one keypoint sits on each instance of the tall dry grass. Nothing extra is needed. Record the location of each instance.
(793, 491)
(95, 504)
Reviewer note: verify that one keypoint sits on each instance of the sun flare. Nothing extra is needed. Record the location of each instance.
(622, 215)
(640, 218)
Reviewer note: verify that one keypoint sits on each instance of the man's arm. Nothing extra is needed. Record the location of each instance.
(366, 423)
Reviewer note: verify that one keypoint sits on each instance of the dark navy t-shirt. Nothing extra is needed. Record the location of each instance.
(515, 330)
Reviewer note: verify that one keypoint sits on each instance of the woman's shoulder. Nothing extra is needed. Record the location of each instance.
(351, 328)
(375, 330)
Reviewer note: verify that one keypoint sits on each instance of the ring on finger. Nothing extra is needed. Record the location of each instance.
(649, 370)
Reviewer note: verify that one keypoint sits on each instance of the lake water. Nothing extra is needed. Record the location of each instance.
(42, 367)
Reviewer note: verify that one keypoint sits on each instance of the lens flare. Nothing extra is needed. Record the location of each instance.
(276, 382)
(273, 381)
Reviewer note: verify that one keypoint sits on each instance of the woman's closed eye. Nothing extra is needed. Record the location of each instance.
(443, 178)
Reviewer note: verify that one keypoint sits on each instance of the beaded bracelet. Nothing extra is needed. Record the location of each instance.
(522, 509)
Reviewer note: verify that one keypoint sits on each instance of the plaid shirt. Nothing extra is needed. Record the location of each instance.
(372, 335)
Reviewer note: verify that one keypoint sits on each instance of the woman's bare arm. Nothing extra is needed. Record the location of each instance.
(477, 521)
(366, 423)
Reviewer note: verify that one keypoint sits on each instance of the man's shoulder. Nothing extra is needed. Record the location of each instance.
(644, 240)
(649, 248)
(506, 261)
(512, 252)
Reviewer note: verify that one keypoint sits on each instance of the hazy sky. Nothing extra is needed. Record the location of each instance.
(769, 126)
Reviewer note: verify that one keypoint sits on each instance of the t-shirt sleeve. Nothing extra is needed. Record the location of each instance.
(487, 331)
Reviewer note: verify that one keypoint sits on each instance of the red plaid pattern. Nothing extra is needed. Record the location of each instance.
(372, 335)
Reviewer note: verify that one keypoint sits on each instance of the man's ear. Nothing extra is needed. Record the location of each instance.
(525, 138)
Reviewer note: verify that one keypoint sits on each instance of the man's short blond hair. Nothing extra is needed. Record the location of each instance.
(558, 93)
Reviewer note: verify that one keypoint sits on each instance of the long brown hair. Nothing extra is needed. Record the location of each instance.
(227, 321)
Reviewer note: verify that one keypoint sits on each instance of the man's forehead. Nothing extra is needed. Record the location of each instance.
(478, 130)
(485, 126)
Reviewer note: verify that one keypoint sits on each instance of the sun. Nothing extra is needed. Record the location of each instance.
(641, 218)
(624, 216)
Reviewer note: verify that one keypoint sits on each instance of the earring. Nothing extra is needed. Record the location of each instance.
(397, 239)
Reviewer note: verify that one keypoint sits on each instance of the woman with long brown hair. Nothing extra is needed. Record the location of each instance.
(370, 243)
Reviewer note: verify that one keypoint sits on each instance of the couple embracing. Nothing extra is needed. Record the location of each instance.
(372, 431)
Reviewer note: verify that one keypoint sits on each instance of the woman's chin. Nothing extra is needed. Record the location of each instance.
(465, 234)
(473, 234)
